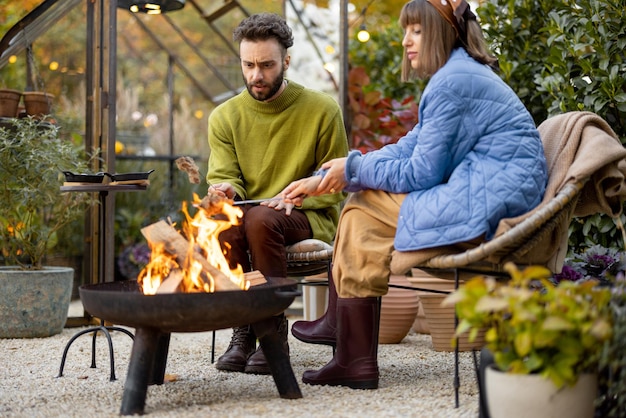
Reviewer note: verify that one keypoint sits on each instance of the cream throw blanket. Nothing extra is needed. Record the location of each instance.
(577, 145)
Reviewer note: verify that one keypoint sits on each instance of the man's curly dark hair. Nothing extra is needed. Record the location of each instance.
(264, 26)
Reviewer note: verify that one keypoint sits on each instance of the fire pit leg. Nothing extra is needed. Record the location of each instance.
(140, 370)
(277, 358)
(160, 360)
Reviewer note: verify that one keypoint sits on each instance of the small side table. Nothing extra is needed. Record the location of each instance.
(102, 271)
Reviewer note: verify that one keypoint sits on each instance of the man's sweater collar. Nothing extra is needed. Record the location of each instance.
(282, 102)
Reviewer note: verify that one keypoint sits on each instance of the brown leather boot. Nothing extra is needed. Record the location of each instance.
(355, 362)
(242, 345)
(257, 364)
(324, 329)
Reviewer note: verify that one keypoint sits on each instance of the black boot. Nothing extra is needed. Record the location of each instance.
(257, 364)
(324, 329)
(355, 363)
(242, 345)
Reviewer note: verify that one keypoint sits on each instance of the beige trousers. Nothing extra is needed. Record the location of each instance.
(364, 243)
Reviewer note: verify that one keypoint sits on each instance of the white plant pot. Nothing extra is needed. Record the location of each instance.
(532, 396)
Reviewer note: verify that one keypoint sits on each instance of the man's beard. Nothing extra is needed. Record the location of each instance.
(274, 87)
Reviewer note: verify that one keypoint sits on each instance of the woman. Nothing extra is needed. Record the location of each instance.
(474, 158)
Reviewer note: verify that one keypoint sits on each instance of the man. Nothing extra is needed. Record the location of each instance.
(272, 133)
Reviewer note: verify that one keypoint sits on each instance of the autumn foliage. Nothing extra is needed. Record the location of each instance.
(376, 120)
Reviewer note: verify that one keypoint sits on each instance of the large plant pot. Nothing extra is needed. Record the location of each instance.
(75, 262)
(34, 303)
(422, 280)
(9, 101)
(440, 321)
(397, 312)
(532, 396)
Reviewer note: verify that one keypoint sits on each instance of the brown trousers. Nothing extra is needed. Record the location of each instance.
(364, 243)
(259, 242)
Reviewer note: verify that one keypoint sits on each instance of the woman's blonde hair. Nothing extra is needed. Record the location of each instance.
(438, 39)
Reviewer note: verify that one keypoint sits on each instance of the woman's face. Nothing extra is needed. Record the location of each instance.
(412, 42)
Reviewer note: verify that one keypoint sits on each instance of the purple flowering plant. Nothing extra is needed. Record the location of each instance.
(133, 259)
(597, 262)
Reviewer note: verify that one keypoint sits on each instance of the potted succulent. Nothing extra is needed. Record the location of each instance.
(552, 334)
(32, 211)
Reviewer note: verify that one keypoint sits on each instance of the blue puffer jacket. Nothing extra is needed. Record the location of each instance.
(474, 158)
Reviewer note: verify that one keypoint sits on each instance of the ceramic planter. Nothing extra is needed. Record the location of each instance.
(532, 396)
(423, 280)
(397, 312)
(440, 321)
(34, 303)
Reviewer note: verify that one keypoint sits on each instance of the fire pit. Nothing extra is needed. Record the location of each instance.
(155, 317)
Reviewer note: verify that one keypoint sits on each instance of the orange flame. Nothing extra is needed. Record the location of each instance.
(164, 274)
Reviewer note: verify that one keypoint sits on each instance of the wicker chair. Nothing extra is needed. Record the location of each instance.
(309, 257)
(587, 174)
(489, 257)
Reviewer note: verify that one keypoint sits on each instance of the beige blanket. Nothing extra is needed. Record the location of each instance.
(577, 145)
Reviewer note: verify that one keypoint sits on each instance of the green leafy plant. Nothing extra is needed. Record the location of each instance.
(612, 400)
(32, 208)
(607, 266)
(381, 57)
(533, 326)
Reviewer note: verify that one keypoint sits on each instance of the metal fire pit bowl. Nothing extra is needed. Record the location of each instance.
(155, 317)
(123, 303)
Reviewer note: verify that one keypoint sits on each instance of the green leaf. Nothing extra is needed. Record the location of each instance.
(555, 323)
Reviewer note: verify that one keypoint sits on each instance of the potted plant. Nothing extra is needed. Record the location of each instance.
(607, 265)
(612, 398)
(542, 336)
(32, 211)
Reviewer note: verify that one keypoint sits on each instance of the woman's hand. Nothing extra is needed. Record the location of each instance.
(298, 190)
(333, 181)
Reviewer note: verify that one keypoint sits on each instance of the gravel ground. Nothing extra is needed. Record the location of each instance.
(415, 381)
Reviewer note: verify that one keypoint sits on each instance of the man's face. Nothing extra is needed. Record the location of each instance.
(263, 68)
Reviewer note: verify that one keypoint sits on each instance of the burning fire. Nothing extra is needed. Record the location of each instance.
(199, 263)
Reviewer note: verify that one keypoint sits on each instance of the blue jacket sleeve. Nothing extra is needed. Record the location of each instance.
(423, 158)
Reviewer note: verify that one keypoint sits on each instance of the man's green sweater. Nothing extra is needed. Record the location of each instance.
(261, 147)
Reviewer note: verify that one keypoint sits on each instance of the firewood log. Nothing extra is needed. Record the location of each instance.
(174, 243)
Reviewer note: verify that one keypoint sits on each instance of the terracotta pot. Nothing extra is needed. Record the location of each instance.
(530, 395)
(9, 102)
(423, 280)
(440, 321)
(420, 325)
(38, 103)
(397, 313)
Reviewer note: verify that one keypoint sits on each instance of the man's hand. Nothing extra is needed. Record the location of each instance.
(279, 204)
(223, 189)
